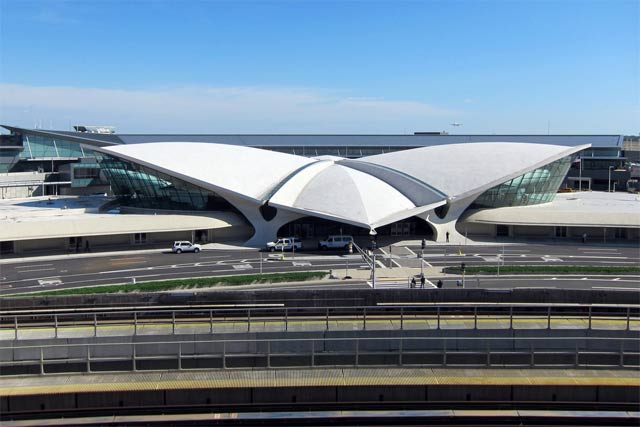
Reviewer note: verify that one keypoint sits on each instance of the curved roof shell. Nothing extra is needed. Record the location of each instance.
(248, 172)
(369, 192)
(458, 170)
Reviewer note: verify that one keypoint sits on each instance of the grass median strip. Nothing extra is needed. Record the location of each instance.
(179, 284)
(544, 269)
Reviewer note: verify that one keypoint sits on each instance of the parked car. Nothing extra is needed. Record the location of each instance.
(285, 243)
(335, 242)
(184, 246)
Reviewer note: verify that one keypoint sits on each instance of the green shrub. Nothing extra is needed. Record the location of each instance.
(203, 282)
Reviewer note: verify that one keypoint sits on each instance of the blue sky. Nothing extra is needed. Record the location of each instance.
(322, 67)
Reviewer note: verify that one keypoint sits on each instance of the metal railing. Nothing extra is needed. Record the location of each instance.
(365, 255)
(460, 352)
(382, 317)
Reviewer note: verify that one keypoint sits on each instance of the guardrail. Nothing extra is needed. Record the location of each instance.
(460, 352)
(365, 255)
(467, 316)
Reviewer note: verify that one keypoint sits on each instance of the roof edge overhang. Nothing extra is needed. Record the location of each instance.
(493, 183)
(49, 134)
(407, 214)
(323, 215)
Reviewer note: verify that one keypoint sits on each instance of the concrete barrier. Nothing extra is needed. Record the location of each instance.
(328, 298)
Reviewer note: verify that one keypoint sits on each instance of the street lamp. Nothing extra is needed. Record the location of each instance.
(580, 178)
(373, 233)
(609, 184)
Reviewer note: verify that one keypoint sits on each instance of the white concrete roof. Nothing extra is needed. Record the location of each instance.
(248, 172)
(343, 193)
(460, 169)
(588, 209)
(370, 192)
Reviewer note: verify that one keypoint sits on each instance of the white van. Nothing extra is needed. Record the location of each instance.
(335, 242)
(285, 244)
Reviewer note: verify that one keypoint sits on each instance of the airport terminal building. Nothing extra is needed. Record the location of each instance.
(252, 188)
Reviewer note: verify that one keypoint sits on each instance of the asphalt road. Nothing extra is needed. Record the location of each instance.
(66, 271)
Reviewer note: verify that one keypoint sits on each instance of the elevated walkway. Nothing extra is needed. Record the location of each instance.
(327, 377)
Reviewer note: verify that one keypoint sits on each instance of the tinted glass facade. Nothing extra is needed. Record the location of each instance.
(143, 187)
(532, 188)
(37, 147)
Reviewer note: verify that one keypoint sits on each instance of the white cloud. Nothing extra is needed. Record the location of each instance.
(216, 110)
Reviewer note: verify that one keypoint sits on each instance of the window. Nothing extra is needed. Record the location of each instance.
(139, 238)
(534, 187)
(6, 248)
(561, 231)
(79, 173)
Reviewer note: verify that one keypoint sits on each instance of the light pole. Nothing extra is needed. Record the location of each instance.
(609, 184)
(580, 179)
(373, 233)
(349, 252)
(373, 271)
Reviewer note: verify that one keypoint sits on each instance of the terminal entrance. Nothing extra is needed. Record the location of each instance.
(316, 228)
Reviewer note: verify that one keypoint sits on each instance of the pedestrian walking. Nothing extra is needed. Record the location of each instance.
(422, 281)
(439, 284)
(447, 236)
(584, 238)
(413, 282)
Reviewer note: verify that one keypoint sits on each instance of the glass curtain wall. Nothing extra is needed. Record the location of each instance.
(532, 188)
(143, 187)
(35, 147)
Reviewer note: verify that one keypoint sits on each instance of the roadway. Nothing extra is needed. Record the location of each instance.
(67, 271)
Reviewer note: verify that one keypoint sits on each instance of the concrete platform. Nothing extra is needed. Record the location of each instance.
(224, 326)
(214, 379)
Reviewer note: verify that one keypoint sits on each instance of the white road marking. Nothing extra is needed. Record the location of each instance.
(412, 253)
(613, 287)
(550, 258)
(38, 269)
(242, 266)
(598, 257)
(616, 279)
(301, 264)
(127, 259)
(50, 282)
(33, 265)
(216, 256)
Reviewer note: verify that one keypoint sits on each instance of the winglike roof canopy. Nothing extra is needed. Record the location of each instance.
(461, 169)
(247, 172)
(369, 192)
